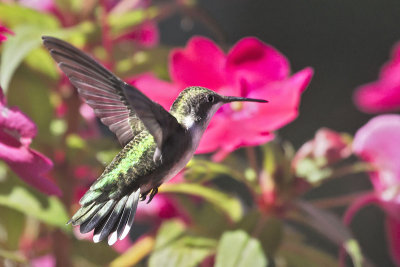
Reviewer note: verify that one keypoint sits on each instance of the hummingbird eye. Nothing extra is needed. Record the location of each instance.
(210, 98)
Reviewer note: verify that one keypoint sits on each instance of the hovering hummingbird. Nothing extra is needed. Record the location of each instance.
(157, 144)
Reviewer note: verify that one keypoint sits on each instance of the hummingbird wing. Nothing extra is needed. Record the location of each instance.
(120, 106)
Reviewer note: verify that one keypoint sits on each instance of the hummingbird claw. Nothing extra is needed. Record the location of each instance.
(154, 191)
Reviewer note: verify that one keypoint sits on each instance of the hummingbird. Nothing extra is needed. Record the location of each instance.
(157, 144)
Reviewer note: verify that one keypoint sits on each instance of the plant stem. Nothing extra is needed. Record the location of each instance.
(252, 157)
(338, 201)
(259, 226)
(353, 168)
(65, 179)
(105, 34)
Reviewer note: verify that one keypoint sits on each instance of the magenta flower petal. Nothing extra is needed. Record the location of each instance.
(44, 261)
(201, 63)
(4, 30)
(147, 35)
(33, 170)
(16, 133)
(162, 92)
(17, 124)
(378, 97)
(382, 95)
(284, 100)
(378, 143)
(393, 236)
(251, 69)
(256, 62)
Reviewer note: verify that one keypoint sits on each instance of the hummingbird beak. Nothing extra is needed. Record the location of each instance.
(228, 99)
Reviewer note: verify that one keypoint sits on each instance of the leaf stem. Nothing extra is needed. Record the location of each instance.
(352, 169)
(252, 158)
(331, 202)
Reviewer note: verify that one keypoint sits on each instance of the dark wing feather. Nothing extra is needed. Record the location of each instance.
(123, 108)
(159, 122)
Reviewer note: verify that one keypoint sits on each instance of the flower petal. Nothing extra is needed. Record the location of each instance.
(284, 100)
(44, 261)
(33, 171)
(378, 143)
(393, 236)
(17, 124)
(227, 135)
(4, 30)
(256, 62)
(376, 97)
(382, 95)
(200, 63)
(212, 137)
(158, 90)
(147, 35)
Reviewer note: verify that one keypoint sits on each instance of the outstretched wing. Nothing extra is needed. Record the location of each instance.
(120, 106)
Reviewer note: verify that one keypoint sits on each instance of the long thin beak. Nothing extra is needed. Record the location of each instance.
(228, 99)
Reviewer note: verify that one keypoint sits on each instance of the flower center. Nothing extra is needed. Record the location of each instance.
(236, 106)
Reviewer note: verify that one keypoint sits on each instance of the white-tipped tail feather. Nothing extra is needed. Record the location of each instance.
(112, 219)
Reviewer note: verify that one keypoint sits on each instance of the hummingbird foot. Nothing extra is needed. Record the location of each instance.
(154, 191)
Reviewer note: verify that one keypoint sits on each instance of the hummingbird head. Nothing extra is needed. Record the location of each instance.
(196, 105)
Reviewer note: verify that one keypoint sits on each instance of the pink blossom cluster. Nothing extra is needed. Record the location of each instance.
(250, 69)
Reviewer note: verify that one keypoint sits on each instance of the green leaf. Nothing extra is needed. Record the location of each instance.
(297, 253)
(312, 171)
(99, 254)
(30, 92)
(229, 205)
(277, 165)
(175, 247)
(128, 20)
(13, 223)
(15, 49)
(15, 256)
(207, 219)
(14, 15)
(40, 60)
(268, 230)
(331, 227)
(238, 249)
(135, 253)
(23, 199)
(201, 171)
(27, 38)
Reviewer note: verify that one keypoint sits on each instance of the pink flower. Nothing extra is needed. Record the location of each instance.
(44, 261)
(159, 209)
(146, 35)
(327, 147)
(4, 30)
(378, 143)
(250, 69)
(382, 95)
(16, 133)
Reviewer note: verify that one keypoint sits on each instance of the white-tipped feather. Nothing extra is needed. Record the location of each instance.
(125, 232)
(112, 238)
(131, 216)
(96, 238)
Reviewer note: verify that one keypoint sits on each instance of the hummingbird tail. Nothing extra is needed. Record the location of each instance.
(112, 218)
